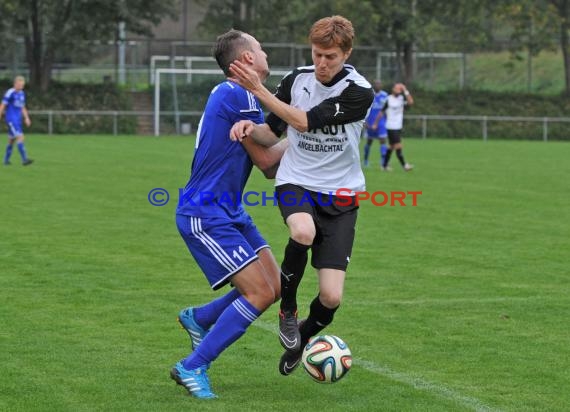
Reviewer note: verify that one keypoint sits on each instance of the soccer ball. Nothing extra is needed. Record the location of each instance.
(326, 358)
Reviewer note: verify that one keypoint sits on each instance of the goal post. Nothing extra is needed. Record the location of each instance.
(159, 75)
(186, 61)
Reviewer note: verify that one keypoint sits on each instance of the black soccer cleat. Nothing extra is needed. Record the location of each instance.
(289, 335)
(291, 359)
(7, 163)
(27, 162)
(289, 362)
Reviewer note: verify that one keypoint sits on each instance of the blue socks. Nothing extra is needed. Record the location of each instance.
(366, 152)
(8, 153)
(22, 150)
(383, 150)
(208, 314)
(230, 326)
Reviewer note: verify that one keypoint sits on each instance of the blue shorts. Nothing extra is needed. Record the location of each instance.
(221, 247)
(14, 129)
(379, 133)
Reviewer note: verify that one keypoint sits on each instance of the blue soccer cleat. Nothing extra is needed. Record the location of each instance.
(196, 381)
(195, 331)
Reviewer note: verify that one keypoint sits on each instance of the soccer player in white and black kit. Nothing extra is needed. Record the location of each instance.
(394, 112)
(322, 110)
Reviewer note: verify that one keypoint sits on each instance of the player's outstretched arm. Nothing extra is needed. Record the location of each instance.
(407, 95)
(377, 120)
(2, 107)
(261, 133)
(26, 117)
(265, 158)
(248, 79)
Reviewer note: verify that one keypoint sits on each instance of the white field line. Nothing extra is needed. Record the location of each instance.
(407, 379)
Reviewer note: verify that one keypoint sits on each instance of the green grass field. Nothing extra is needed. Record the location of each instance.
(460, 303)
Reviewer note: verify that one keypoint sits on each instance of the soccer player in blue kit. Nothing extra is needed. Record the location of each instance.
(376, 123)
(219, 233)
(14, 106)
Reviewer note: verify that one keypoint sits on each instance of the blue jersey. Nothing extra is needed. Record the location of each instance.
(15, 101)
(377, 105)
(221, 167)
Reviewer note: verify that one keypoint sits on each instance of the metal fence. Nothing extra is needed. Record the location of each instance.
(116, 117)
(191, 119)
(484, 121)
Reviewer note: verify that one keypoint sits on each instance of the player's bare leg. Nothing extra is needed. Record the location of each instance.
(271, 271)
(302, 233)
(257, 294)
(197, 321)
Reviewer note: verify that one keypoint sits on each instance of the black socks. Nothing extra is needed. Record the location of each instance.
(319, 318)
(292, 270)
(400, 156)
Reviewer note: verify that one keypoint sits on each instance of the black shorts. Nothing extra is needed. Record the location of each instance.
(394, 136)
(335, 224)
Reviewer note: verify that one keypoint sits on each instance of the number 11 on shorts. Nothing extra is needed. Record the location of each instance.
(241, 250)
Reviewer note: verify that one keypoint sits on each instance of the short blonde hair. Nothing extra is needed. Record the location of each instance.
(332, 31)
(19, 79)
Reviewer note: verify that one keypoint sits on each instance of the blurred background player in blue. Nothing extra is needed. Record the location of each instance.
(219, 233)
(376, 123)
(14, 107)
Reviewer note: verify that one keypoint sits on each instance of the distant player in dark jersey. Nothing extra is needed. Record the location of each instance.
(393, 109)
(322, 109)
(219, 233)
(14, 107)
(376, 123)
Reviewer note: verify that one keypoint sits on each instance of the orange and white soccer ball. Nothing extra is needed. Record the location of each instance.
(326, 358)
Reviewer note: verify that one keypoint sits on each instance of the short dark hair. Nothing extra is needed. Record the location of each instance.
(228, 48)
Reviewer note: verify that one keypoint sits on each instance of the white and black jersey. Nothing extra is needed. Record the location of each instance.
(394, 111)
(326, 157)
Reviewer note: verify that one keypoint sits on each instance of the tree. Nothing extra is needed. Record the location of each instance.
(539, 25)
(223, 15)
(562, 8)
(402, 26)
(51, 26)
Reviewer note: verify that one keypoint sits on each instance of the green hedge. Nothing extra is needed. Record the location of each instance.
(480, 103)
(470, 102)
(76, 96)
(193, 97)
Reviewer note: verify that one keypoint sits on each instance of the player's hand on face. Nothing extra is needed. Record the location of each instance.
(241, 130)
(245, 76)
